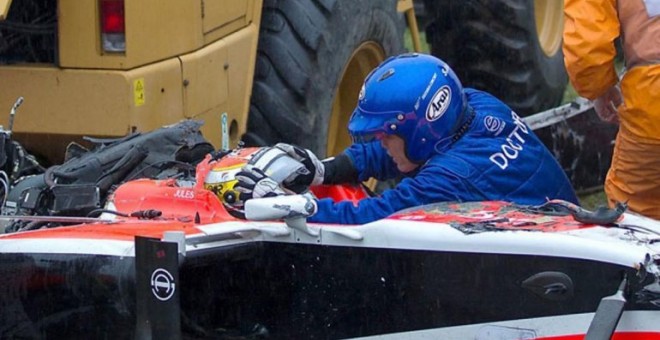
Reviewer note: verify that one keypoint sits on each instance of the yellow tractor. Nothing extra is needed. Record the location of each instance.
(260, 71)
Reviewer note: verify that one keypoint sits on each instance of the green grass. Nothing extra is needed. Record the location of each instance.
(593, 200)
(407, 42)
(569, 94)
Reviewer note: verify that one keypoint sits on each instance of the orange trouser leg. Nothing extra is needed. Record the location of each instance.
(634, 175)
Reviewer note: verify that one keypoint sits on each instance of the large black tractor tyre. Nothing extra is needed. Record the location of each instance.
(510, 48)
(312, 58)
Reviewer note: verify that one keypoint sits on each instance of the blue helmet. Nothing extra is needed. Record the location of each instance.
(414, 96)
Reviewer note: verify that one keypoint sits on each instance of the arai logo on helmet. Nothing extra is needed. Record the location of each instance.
(361, 95)
(439, 104)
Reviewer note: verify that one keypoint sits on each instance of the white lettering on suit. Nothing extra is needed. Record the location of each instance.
(513, 145)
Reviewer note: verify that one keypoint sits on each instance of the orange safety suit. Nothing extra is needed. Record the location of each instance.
(591, 27)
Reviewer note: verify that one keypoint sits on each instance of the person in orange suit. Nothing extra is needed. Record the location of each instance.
(633, 102)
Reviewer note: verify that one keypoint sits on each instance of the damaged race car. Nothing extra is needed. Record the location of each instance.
(169, 256)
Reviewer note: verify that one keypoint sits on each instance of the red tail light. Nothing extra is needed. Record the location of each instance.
(113, 35)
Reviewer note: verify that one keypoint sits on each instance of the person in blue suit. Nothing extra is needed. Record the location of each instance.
(414, 119)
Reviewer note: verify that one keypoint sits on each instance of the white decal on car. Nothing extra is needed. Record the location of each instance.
(187, 194)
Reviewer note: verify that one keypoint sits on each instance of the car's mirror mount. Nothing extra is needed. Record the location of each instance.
(293, 209)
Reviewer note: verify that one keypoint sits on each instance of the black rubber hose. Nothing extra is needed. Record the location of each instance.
(98, 212)
(601, 215)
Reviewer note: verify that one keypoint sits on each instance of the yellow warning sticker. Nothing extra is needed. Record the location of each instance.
(138, 91)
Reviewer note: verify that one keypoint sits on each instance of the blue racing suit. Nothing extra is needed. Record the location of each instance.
(498, 158)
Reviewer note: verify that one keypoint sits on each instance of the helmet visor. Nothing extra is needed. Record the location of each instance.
(367, 126)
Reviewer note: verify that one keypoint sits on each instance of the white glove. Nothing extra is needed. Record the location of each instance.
(254, 183)
(311, 174)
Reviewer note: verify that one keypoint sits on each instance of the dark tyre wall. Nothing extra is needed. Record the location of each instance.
(493, 46)
(303, 47)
